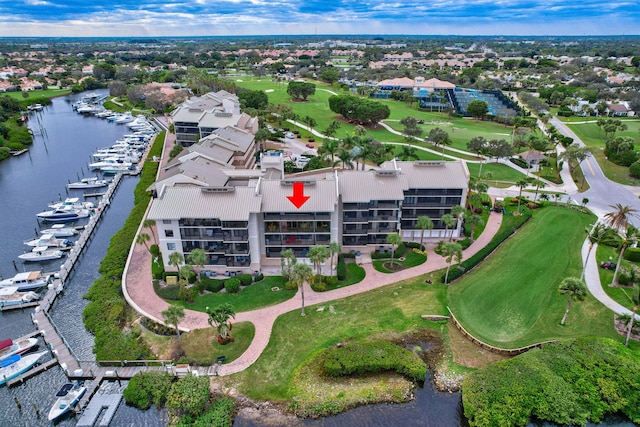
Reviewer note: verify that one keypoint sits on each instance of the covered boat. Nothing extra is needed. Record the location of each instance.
(27, 281)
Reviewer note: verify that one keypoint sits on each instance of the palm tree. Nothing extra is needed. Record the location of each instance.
(597, 234)
(521, 184)
(149, 223)
(143, 238)
(575, 289)
(172, 316)
(451, 251)
(408, 153)
(176, 259)
(621, 216)
(219, 317)
(334, 248)
(394, 240)
(287, 260)
(449, 221)
(318, 254)
(626, 238)
(474, 221)
(185, 271)
(344, 154)
(198, 257)
(423, 223)
(330, 147)
(301, 273)
(635, 299)
(539, 184)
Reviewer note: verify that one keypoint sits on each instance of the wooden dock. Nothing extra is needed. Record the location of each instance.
(17, 306)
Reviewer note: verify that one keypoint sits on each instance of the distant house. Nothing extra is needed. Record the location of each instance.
(618, 110)
(532, 157)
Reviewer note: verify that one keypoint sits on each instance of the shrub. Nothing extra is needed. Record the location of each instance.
(232, 285)
(373, 356)
(258, 278)
(245, 279)
(465, 243)
(624, 278)
(331, 280)
(341, 268)
(219, 414)
(171, 292)
(157, 328)
(290, 286)
(414, 245)
(146, 388)
(634, 170)
(319, 287)
(632, 254)
(400, 250)
(155, 250)
(189, 396)
(212, 285)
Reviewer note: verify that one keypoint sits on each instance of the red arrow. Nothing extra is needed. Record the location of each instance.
(298, 199)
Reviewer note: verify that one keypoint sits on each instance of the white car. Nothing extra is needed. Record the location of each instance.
(289, 135)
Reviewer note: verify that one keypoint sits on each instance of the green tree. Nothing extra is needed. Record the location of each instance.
(575, 289)
(332, 129)
(198, 257)
(439, 137)
(176, 259)
(626, 238)
(480, 146)
(330, 148)
(318, 254)
(424, 223)
(149, 223)
(522, 184)
(574, 155)
(411, 129)
(597, 234)
(301, 273)
(621, 216)
(256, 99)
(142, 239)
(449, 221)
(451, 251)
(334, 248)
(394, 240)
(287, 260)
(635, 299)
(219, 317)
(478, 108)
(172, 315)
(474, 221)
(408, 153)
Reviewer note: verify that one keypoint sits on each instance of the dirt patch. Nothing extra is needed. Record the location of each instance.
(426, 343)
(468, 354)
(393, 266)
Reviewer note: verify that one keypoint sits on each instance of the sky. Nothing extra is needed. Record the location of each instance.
(147, 18)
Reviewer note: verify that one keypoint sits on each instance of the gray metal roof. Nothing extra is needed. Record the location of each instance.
(322, 196)
(364, 186)
(433, 174)
(191, 202)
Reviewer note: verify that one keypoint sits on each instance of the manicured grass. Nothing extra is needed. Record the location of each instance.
(252, 297)
(511, 300)
(47, 93)
(411, 259)
(593, 137)
(498, 171)
(295, 339)
(355, 274)
(622, 295)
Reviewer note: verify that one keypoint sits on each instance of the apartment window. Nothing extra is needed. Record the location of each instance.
(171, 246)
(166, 221)
(168, 233)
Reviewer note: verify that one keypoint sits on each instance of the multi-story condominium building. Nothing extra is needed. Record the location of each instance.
(199, 117)
(245, 226)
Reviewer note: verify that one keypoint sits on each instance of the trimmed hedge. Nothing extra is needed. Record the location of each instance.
(341, 268)
(232, 285)
(373, 356)
(245, 279)
(212, 285)
(632, 254)
(475, 259)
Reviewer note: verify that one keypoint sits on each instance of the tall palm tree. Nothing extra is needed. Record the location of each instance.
(620, 217)
(394, 240)
(521, 184)
(626, 238)
(635, 299)
(219, 317)
(449, 221)
(344, 154)
(176, 259)
(334, 248)
(172, 316)
(149, 223)
(198, 257)
(142, 239)
(318, 254)
(330, 147)
(451, 251)
(575, 289)
(597, 234)
(408, 153)
(287, 260)
(423, 223)
(301, 273)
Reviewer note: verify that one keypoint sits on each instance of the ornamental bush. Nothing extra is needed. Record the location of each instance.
(341, 268)
(373, 356)
(189, 396)
(245, 279)
(232, 285)
(212, 285)
(634, 170)
(632, 254)
(146, 388)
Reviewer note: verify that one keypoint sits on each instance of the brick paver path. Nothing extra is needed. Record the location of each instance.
(139, 292)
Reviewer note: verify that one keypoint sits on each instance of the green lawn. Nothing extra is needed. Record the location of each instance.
(511, 300)
(622, 295)
(593, 137)
(411, 259)
(47, 93)
(498, 171)
(296, 339)
(252, 297)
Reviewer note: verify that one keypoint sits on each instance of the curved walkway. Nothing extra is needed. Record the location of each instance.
(139, 292)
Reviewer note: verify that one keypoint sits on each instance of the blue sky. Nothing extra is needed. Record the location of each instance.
(264, 17)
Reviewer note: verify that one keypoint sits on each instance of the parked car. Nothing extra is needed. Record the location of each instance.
(310, 145)
(608, 265)
(289, 135)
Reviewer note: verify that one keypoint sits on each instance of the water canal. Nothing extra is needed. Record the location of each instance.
(63, 143)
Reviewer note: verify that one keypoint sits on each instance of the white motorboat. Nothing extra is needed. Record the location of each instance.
(20, 366)
(109, 161)
(27, 281)
(10, 295)
(59, 230)
(66, 399)
(10, 347)
(112, 170)
(92, 182)
(50, 241)
(41, 253)
(125, 118)
(73, 202)
(63, 214)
